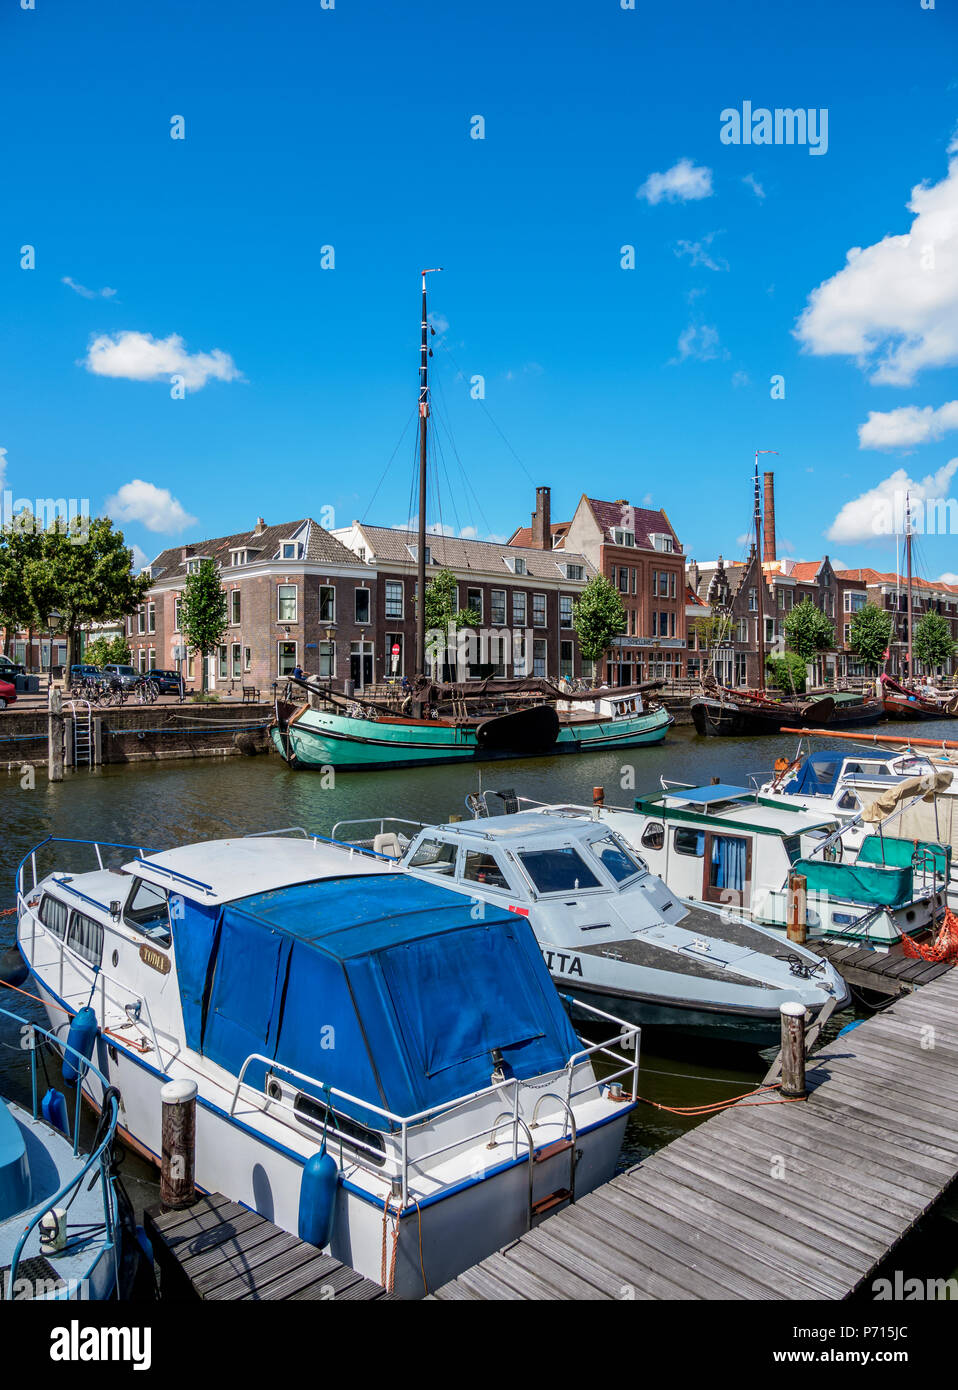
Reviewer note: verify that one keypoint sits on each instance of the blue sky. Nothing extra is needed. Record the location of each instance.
(350, 128)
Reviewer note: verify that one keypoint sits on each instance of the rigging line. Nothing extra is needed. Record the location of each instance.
(467, 486)
(440, 463)
(395, 451)
(490, 419)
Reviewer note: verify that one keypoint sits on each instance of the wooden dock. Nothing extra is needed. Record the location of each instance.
(769, 1201)
(219, 1250)
(884, 972)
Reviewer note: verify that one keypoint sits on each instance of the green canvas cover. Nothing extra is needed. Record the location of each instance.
(899, 853)
(858, 883)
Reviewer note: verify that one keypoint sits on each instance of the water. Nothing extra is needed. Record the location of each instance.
(181, 801)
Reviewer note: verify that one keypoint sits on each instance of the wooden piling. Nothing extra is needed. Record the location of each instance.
(793, 1049)
(54, 734)
(797, 925)
(178, 1149)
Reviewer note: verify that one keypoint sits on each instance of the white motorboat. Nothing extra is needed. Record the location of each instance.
(328, 1005)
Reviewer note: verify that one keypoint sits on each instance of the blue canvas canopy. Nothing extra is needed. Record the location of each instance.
(817, 775)
(385, 986)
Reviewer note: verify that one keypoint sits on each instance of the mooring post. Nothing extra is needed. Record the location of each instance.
(178, 1156)
(598, 796)
(793, 1049)
(797, 925)
(54, 734)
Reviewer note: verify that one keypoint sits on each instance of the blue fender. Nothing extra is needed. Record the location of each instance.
(53, 1108)
(317, 1199)
(81, 1037)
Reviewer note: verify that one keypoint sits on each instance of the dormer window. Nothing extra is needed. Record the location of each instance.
(626, 538)
(291, 550)
(239, 557)
(515, 563)
(573, 572)
(193, 566)
(413, 551)
(663, 542)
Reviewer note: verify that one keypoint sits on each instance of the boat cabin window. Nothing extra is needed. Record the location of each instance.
(314, 1112)
(616, 859)
(728, 865)
(849, 802)
(86, 937)
(653, 836)
(558, 870)
(483, 868)
(147, 912)
(54, 915)
(439, 856)
(688, 841)
(793, 847)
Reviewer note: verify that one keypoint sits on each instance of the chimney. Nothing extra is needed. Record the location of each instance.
(542, 520)
(768, 537)
(260, 526)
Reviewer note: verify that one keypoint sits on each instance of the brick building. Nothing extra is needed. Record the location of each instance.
(294, 594)
(524, 596)
(637, 550)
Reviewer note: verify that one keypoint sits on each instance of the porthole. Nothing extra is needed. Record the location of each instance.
(115, 958)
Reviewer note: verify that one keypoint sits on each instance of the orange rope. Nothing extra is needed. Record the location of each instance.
(943, 949)
(713, 1109)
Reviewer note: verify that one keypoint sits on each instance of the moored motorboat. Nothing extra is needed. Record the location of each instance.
(326, 1004)
(916, 702)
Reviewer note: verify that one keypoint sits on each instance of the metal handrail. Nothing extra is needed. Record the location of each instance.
(98, 1157)
(373, 820)
(97, 845)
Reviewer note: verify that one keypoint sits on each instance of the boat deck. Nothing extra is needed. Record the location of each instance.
(871, 1150)
(220, 1251)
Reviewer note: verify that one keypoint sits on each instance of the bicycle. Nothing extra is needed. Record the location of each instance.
(146, 691)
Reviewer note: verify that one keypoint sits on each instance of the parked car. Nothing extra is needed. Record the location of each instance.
(9, 669)
(126, 675)
(84, 672)
(8, 694)
(168, 681)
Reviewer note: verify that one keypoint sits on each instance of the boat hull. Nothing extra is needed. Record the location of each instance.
(731, 718)
(319, 739)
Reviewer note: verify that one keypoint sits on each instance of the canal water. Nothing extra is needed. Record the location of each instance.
(180, 801)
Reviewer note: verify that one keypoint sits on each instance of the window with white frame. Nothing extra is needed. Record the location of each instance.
(287, 603)
(285, 658)
(394, 598)
(327, 603)
(236, 660)
(538, 610)
(327, 659)
(141, 620)
(223, 660)
(474, 600)
(151, 617)
(565, 610)
(497, 608)
(540, 649)
(574, 572)
(177, 606)
(292, 550)
(566, 667)
(235, 607)
(519, 607)
(519, 565)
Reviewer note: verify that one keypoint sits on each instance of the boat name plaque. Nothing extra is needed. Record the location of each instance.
(156, 960)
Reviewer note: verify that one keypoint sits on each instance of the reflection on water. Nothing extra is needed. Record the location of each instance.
(182, 801)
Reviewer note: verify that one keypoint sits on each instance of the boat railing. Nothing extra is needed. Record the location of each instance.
(88, 988)
(98, 1159)
(98, 846)
(353, 846)
(382, 821)
(399, 1170)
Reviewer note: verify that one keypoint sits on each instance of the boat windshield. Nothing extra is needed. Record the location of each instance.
(558, 870)
(614, 857)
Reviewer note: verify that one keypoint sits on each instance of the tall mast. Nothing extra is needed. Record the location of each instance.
(908, 565)
(761, 572)
(421, 545)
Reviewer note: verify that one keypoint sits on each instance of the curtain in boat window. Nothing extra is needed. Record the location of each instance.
(54, 915)
(86, 938)
(729, 857)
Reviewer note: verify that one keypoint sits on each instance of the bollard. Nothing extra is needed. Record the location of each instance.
(598, 796)
(178, 1158)
(793, 1049)
(796, 928)
(54, 734)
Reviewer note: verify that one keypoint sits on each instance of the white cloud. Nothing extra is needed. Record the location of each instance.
(909, 425)
(894, 305)
(684, 182)
(105, 293)
(155, 507)
(947, 578)
(877, 513)
(700, 254)
(752, 182)
(141, 357)
(699, 341)
(140, 557)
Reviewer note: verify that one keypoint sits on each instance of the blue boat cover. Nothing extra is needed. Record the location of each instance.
(817, 775)
(387, 987)
(720, 791)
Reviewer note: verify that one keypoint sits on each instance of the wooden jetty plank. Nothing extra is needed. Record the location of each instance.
(525, 1283)
(858, 1101)
(590, 1234)
(571, 1256)
(562, 1282)
(481, 1284)
(241, 1262)
(254, 1281)
(902, 1085)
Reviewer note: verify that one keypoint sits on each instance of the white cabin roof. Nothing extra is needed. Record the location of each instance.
(219, 871)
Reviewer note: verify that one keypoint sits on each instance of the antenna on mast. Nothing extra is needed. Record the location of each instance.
(421, 546)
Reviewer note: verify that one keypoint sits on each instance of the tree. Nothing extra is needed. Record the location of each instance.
(19, 544)
(808, 631)
(100, 651)
(871, 629)
(710, 630)
(931, 643)
(787, 671)
(81, 573)
(203, 615)
(598, 615)
(441, 611)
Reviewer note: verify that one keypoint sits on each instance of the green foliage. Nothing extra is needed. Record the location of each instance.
(711, 629)
(203, 615)
(100, 651)
(78, 577)
(18, 546)
(870, 634)
(931, 643)
(441, 605)
(808, 631)
(598, 615)
(786, 672)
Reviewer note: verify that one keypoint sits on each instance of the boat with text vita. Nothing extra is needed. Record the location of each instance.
(63, 1232)
(615, 935)
(378, 1071)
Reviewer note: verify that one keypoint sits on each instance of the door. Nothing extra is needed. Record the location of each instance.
(727, 871)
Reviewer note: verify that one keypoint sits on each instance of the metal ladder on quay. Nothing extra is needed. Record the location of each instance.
(82, 719)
